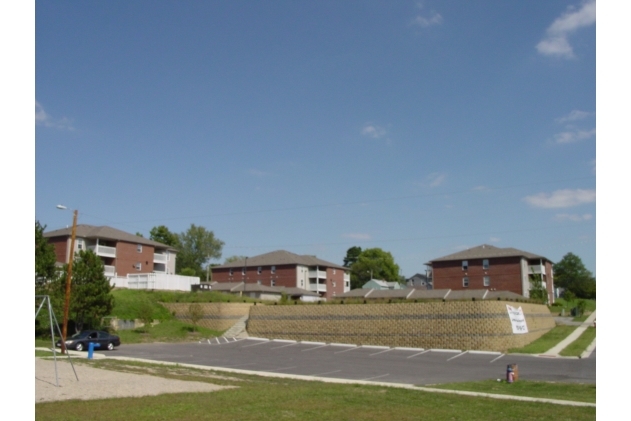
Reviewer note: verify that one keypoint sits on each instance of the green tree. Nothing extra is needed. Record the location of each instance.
(352, 254)
(537, 291)
(570, 273)
(376, 262)
(197, 246)
(161, 234)
(45, 258)
(91, 298)
(233, 259)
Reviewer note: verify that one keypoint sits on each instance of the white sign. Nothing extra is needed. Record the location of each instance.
(517, 319)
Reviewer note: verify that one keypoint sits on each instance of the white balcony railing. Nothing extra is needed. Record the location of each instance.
(538, 269)
(317, 274)
(103, 250)
(159, 258)
(317, 287)
(109, 270)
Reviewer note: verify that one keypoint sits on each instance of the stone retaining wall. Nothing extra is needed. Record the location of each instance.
(217, 316)
(469, 325)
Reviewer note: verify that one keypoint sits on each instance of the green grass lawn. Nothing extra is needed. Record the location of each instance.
(577, 347)
(563, 391)
(547, 341)
(263, 398)
(167, 331)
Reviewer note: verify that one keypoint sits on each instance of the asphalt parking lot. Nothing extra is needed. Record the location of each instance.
(381, 364)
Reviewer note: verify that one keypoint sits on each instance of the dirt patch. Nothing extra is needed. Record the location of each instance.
(96, 383)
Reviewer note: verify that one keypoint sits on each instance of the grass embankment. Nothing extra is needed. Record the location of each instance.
(134, 304)
(561, 304)
(263, 398)
(577, 347)
(547, 341)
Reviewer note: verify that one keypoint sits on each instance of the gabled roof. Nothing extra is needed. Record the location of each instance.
(105, 233)
(239, 286)
(486, 251)
(280, 257)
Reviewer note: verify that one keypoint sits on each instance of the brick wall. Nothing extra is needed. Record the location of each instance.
(217, 316)
(127, 256)
(504, 274)
(471, 325)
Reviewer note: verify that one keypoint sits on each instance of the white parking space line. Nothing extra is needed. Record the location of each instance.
(237, 365)
(344, 345)
(414, 355)
(312, 343)
(283, 340)
(346, 350)
(495, 359)
(328, 372)
(380, 352)
(317, 347)
(260, 343)
(376, 377)
(459, 355)
(279, 369)
(284, 346)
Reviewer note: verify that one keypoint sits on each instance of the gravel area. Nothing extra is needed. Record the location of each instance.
(102, 384)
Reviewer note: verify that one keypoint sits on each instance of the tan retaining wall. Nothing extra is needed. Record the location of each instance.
(468, 325)
(217, 316)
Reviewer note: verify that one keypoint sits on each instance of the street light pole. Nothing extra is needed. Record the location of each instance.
(64, 331)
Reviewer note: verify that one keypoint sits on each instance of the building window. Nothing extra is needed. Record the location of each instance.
(243, 271)
(302, 282)
(273, 283)
(347, 284)
(333, 284)
(485, 264)
(333, 271)
(465, 282)
(138, 266)
(231, 271)
(273, 269)
(259, 270)
(487, 281)
(465, 264)
(139, 248)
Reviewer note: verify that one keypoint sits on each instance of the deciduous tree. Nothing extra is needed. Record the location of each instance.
(570, 273)
(161, 234)
(196, 247)
(376, 262)
(45, 258)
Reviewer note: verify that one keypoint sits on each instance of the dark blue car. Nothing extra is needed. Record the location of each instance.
(81, 340)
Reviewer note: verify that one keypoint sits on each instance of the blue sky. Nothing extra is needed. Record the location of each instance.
(422, 128)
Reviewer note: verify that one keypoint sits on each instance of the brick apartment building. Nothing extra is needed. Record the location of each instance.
(282, 268)
(493, 268)
(122, 253)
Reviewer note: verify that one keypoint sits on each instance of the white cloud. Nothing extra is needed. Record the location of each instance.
(574, 136)
(436, 179)
(574, 217)
(561, 198)
(433, 19)
(44, 119)
(555, 42)
(374, 131)
(573, 116)
(358, 236)
(258, 173)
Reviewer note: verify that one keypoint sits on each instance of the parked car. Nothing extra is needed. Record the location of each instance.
(81, 340)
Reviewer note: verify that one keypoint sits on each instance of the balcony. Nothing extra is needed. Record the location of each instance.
(109, 270)
(317, 287)
(159, 258)
(103, 250)
(536, 270)
(317, 274)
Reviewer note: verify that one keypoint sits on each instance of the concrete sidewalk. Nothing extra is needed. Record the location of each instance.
(554, 352)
